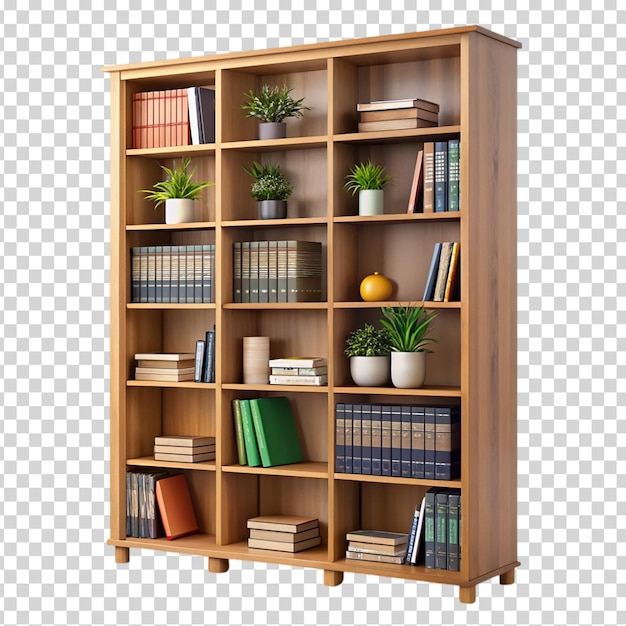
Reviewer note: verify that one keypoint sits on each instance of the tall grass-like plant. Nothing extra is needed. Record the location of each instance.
(364, 176)
(273, 104)
(179, 184)
(407, 327)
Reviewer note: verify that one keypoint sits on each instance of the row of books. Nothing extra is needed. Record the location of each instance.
(397, 114)
(173, 117)
(283, 533)
(398, 440)
(277, 271)
(265, 432)
(299, 371)
(173, 273)
(442, 283)
(183, 449)
(158, 503)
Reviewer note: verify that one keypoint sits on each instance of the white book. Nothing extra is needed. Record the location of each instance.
(299, 361)
(298, 380)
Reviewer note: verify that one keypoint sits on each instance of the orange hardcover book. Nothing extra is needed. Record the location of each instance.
(176, 507)
(418, 178)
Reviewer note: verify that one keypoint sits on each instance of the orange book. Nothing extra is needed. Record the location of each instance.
(418, 178)
(175, 506)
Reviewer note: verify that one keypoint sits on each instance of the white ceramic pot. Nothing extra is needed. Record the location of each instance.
(408, 369)
(371, 201)
(179, 211)
(272, 130)
(369, 371)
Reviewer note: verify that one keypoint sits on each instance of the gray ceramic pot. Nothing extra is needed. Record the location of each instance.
(272, 209)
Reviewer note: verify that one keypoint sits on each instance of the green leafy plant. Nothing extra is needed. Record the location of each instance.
(273, 104)
(269, 182)
(368, 341)
(177, 185)
(407, 327)
(367, 176)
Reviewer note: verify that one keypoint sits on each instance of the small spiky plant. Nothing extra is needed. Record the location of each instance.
(365, 176)
(273, 104)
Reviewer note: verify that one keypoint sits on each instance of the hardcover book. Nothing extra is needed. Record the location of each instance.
(249, 435)
(283, 523)
(378, 536)
(402, 103)
(184, 440)
(176, 507)
(275, 430)
(284, 546)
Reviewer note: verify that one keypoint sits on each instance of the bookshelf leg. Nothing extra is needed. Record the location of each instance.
(467, 595)
(332, 578)
(508, 578)
(122, 555)
(218, 566)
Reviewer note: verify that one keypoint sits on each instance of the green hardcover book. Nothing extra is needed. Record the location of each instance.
(241, 445)
(249, 435)
(276, 432)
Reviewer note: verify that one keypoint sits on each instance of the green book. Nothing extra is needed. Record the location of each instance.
(249, 436)
(276, 431)
(241, 446)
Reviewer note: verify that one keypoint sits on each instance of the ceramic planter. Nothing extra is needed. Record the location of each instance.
(272, 209)
(369, 371)
(179, 211)
(371, 202)
(408, 369)
(272, 130)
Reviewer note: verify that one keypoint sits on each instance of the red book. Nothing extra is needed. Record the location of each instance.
(179, 518)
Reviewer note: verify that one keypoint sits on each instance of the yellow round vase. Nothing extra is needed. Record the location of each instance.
(375, 288)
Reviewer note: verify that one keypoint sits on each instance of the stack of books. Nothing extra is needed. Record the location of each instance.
(297, 370)
(265, 431)
(184, 449)
(165, 366)
(284, 533)
(377, 545)
(402, 114)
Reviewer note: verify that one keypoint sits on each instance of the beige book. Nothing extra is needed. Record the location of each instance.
(286, 537)
(283, 523)
(283, 546)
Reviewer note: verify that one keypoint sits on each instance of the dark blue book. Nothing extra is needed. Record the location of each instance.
(405, 460)
(441, 529)
(208, 373)
(237, 271)
(431, 279)
(356, 439)
(348, 438)
(385, 444)
(429, 443)
(376, 415)
(417, 441)
(441, 176)
(340, 435)
(135, 276)
(151, 274)
(366, 439)
(396, 440)
(429, 528)
(447, 442)
(454, 174)
(454, 530)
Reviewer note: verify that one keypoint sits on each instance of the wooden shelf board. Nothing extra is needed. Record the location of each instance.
(296, 221)
(173, 227)
(288, 143)
(447, 392)
(395, 136)
(377, 305)
(408, 572)
(276, 305)
(170, 305)
(398, 480)
(397, 217)
(173, 151)
(148, 461)
(279, 388)
(187, 384)
(306, 469)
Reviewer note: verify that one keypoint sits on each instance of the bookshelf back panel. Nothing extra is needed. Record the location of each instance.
(189, 412)
(182, 328)
(203, 495)
(144, 411)
(389, 507)
(144, 333)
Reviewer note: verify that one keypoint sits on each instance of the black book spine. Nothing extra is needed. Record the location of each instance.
(429, 528)
(454, 530)
(135, 277)
(356, 439)
(209, 358)
(386, 428)
(366, 439)
(441, 530)
(340, 434)
(441, 176)
(405, 464)
(158, 273)
(348, 438)
(417, 441)
(376, 414)
(429, 443)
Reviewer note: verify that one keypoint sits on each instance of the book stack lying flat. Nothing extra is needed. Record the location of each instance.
(284, 533)
(165, 367)
(377, 545)
(397, 114)
(297, 370)
(184, 449)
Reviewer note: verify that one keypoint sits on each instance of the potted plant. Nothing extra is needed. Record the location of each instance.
(370, 181)
(272, 105)
(270, 188)
(178, 192)
(408, 327)
(368, 349)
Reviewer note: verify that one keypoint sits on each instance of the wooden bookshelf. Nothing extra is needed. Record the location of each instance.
(471, 73)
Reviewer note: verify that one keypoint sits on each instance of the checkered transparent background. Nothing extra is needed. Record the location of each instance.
(54, 271)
